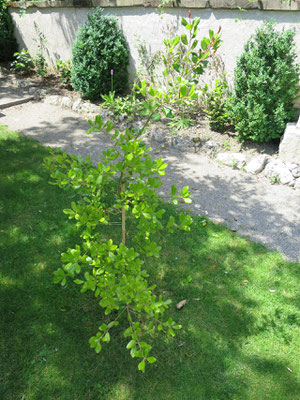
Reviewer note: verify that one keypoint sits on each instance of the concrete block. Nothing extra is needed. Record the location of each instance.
(289, 149)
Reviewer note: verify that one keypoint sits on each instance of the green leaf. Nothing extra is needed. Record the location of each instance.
(98, 347)
(106, 337)
(171, 332)
(184, 22)
(177, 327)
(204, 44)
(175, 41)
(129, 156)
(173, 190)
(141, 366)
(99, 180)
(151, 91)
(195, 58)
(68, 211)
(188, 201)
(131, 344)
(127, 332)
(58, 275)
(171, 222)
(194, 45)
(183, 91)
(184, 39)
(156, 117)
(103, 327)
(151, 360)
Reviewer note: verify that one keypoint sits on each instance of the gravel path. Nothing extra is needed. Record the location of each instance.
(250, 205)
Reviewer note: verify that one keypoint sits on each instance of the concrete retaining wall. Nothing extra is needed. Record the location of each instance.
(60, 20)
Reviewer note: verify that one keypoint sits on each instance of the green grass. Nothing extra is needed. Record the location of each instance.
(239, 340)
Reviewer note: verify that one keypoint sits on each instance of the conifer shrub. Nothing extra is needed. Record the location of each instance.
(99, 51)
(8, 44)
(265, 85)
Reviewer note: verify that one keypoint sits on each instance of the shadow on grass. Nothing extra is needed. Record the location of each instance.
(231, 345)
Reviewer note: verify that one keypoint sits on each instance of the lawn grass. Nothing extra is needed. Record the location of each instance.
(240, 336)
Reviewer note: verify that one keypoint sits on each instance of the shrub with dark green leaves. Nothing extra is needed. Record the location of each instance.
(265, 85)
(99, 49)
(216, 99)
(8, 44)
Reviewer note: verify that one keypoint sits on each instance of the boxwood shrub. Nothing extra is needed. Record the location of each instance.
(265, 85)
(99, 48)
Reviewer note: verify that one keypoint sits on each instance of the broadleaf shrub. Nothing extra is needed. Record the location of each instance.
(265, 85)
(99, 48)
(8, 43)
(120, 192)
(184, 60)
(216, 99)
(23, 62)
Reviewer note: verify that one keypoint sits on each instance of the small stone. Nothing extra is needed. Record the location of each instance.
(296, 172)
(210, 145)
(297, 184)
(137, 124)
(24, 84)
(89, 108)
(66, 102)
(182, 143)
(15, 82)
(94, 109)
(291, 166)
(181, 304)
(39, 94)
(292, 183)
(77, 105)
(235, 160)
(257, 164)
(159, 136)
(54, 100)
(32, 90)
(276, 168)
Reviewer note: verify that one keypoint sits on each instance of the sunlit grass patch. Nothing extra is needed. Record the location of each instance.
(240, 335)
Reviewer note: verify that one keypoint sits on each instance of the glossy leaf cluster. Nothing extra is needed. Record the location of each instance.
(184, 60)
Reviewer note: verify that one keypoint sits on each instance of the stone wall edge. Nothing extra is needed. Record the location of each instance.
(267, 5)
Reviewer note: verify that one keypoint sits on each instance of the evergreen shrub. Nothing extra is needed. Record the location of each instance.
(99, 50)
(8, 44)
(265, 85)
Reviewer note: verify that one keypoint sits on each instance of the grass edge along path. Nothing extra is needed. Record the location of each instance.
(240, 336)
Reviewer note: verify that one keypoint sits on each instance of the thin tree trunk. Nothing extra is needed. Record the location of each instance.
(123, 218)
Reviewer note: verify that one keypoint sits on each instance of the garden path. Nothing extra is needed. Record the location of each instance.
(248, 204)
(10, 95)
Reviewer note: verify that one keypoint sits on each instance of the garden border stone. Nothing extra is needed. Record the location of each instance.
(270, 167)
(287, 171)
